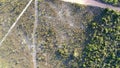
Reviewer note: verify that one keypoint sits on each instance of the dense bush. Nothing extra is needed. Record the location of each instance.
(103, 44)
(113, 2)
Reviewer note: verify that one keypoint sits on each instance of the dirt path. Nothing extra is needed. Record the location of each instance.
(93, 3)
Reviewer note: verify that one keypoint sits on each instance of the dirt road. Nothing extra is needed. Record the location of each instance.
(93, 3)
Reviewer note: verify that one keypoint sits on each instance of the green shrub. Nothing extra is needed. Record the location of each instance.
(102, 49)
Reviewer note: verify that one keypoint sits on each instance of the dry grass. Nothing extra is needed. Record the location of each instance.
(60, 25)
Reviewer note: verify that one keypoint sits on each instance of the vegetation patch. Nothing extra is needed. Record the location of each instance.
(103, 49)
(113, 2)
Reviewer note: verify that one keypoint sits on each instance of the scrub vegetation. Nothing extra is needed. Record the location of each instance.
(67, 35)
(102, 47)
(113, 2)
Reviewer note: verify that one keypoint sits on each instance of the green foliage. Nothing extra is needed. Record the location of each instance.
(114, 2)
(103, 48)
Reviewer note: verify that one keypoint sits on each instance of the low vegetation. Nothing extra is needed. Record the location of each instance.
(113, 2)
(67, 36)
(102, 49)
